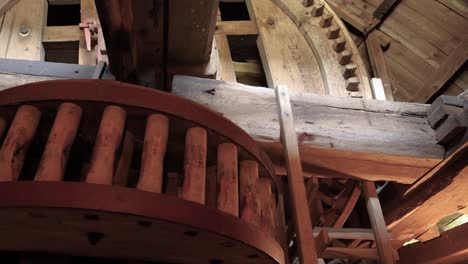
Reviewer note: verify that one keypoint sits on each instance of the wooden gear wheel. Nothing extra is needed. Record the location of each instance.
(92, 168)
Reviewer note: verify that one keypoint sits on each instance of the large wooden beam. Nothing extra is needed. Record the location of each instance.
(441, 193)
(191, 30)
(338, 137)
(450, 247)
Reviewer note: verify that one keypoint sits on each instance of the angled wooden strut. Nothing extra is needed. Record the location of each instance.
(303, 225)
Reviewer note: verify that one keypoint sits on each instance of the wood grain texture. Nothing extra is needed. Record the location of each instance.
(301, 215)
(403, 145)
(286, 56)
(21, 32)
(441, 193)
(323, 49)
(228, 179)
(195, 165)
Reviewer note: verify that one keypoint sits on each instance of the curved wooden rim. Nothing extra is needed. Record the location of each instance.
(115, 199)
(114, 92)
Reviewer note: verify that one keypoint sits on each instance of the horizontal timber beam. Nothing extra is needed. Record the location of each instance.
(338, 137)
(237, 27)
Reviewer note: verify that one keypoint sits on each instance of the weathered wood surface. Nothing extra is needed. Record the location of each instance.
(451, 247)
(338, 137)
(8, 80)
(441, 193)
(302, 224)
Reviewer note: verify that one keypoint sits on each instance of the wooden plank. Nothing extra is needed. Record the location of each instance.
(450, 247)
(8, 80)
(435, 81)
(286, 56)
(440, 193)
(458, 6)
(5, 5)
(21, 33)
(357, 13)
(61, 34)
(379, 66)
(225, 71)
(190, 39)
(404, 82)
(302, 223)
(382, 10)
(378, 223)
(403, 145)
(347, 233)
(237, 28)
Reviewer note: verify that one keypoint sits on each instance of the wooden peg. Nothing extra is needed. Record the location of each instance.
(317, 10)
(339, 44)
(154, 149)
(326, 20)
(228, 180)
(352, 84)
(249, 202)
(54, 159)
(108, 139)
(333, 32)
(345, 57)
(17, 142)
(349, 70)
(195, 165)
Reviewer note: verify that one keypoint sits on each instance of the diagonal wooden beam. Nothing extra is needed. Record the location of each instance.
(302, 222)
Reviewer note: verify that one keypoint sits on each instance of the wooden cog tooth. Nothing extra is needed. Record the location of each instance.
(317, 10)
(326, 20)
(339, 44)
(308, 3)
(154, 149)
(267, 205)
(62, 135)
(195, 165)
(17, 141)
(109, 136)
(228, 180)
(349, 70)
(352, 84)
(333, 32)
(345, 57)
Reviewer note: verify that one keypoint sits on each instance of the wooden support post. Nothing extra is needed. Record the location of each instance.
(154, 149)
(228, 184)
(378, 223)
(225, 69)
(195, 165)
(302, 222)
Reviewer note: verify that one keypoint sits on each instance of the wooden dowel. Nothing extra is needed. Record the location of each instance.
(61, 137)
(195, 165)
(228, 184)
(125, 160)
(154, 149)
(17, 141)
(249, 203)
(267, 206)
(108, 139)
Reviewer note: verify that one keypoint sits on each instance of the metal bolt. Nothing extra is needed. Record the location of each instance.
(24, 31)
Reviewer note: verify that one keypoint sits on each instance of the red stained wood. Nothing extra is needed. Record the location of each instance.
(195, 165)
(17, 141)
(61, 137)
(154, 148)
(108, 139)
(249, 200)
(228, 179)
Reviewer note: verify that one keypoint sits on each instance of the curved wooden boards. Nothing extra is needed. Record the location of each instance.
(343, 72)
(115, 222)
